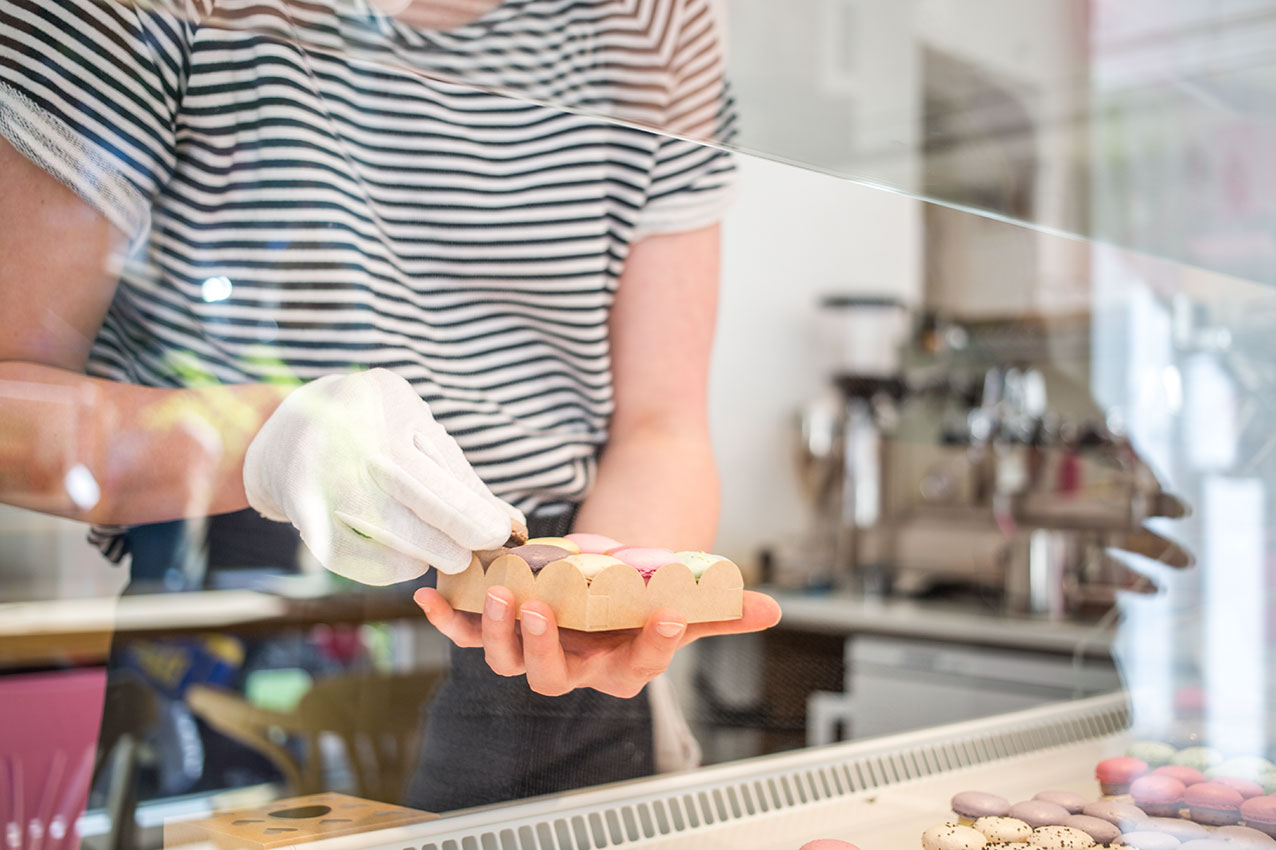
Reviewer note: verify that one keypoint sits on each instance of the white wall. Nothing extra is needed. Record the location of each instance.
(791, 236)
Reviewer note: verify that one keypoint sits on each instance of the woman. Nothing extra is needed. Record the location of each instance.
(384, 276)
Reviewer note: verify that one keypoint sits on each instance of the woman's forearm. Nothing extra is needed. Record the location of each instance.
(657, 486)
(116, 453)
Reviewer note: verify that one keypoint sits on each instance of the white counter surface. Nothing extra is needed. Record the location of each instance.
(844, 614)
(879, 793)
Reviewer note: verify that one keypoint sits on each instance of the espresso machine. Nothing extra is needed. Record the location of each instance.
(844, 434)
(966, 457)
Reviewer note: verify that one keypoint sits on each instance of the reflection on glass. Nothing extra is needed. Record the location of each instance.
(302, 298)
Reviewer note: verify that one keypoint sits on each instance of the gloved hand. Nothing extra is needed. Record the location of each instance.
(377, 488)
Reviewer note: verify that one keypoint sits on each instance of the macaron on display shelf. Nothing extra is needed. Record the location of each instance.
(596, 583)
(1115, 774)
(1158, 795)
(1213, 804)
(1203, 816)
(1196, 762)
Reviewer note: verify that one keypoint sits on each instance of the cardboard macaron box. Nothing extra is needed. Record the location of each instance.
(594, 583)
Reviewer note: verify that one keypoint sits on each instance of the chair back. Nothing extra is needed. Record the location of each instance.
(379, 720)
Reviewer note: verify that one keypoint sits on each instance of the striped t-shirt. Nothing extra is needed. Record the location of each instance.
(313, 187)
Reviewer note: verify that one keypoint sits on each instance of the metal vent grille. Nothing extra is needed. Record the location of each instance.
(629, 814)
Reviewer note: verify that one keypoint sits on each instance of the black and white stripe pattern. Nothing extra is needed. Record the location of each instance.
(315, 188)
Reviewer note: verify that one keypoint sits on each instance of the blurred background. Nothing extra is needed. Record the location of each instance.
(992, 399)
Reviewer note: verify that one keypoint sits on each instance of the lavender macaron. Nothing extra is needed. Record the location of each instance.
(1097, 828)
(1123, 816)
(1037, 813)
(1070, 800)
(1149, 840)
(1183, 830)
(972, 805)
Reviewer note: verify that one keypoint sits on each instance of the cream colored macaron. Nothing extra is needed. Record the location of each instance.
(560, 542)
(1006, 830)
(591, 565)
(953, 836)
(1060, 838)
(698, 562)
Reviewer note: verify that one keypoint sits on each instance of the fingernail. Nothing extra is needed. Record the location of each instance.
(534, 624)
(496, 607)
(669, 629)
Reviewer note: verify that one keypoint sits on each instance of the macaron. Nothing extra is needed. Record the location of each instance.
(1123, 816)
(1003, 830)
(591, 564)
(1148, 840)
(1260, 813)
(697, 562)
(1244, 767)
(1155, 753)
(593, 544)
(1247, 788)
(1207, 844)
(1213, 804)
(972, 805)
(1201, 758)
(537, 555)
(828, 844)
(1059, 838)
(1184, 774)
(1115, 774)
(1183, 830)
(1158, 795)
(561, 542)
(1037, 813)
(1100, 830)
(1070, 800)
(1244, 836)
(953, 836)
(643, 559)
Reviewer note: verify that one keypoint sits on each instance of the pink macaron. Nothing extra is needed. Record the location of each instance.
(1245, 787)
(1115, 774)
(644, 560)
(1213, 804)
(1260, 813)
(594, 544)
(1184, 774)
(1159, 796)
(828, 844)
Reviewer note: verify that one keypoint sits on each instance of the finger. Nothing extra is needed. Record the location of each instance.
(457, 626)
(650, 653)
(760, 612)
(436, 443)
(501, 646)
(433, 494)
(543, 655)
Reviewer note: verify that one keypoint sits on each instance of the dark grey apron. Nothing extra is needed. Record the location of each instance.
(488, 739)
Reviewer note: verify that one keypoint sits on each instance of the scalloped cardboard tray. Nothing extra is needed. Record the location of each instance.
(616, 598)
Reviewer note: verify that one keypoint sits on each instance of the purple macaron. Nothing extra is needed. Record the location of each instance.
(1097, 828)
(979, 804)
(1037, 813)
(1070, 800)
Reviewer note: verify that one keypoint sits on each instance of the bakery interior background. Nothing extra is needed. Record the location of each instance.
(992, 398)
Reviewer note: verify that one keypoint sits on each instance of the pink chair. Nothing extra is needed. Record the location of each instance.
(48, 742)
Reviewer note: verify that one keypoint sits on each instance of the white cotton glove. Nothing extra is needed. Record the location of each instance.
(377, 488)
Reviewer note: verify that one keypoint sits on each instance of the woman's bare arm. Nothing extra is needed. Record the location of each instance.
(81, 447)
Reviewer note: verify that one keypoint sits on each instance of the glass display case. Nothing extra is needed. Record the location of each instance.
(949, 324)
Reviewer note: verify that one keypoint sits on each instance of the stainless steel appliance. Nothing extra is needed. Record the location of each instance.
(970, 459)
